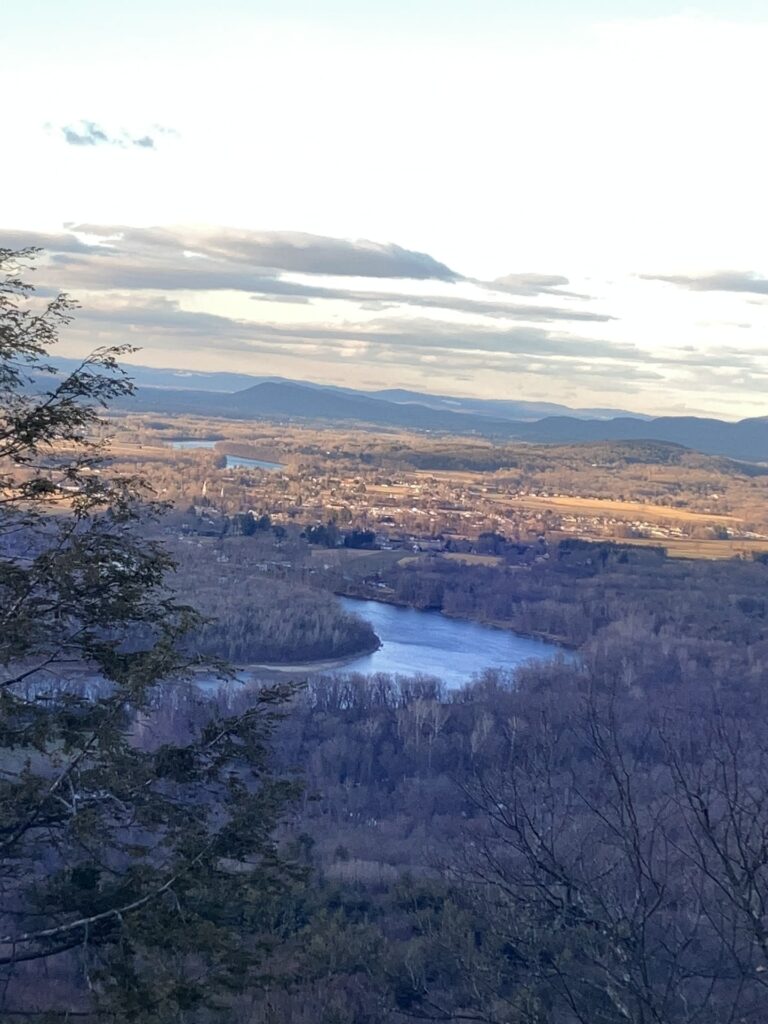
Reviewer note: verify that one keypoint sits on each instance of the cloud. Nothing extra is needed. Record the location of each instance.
(426, 346)
(163, 317)
(290, 251)
(51, 243)
(170, 260)
(479, 307)
(718, 281)
(534, 284)
(204, 275)
(88, 133)
(414, 349)
(143, 283)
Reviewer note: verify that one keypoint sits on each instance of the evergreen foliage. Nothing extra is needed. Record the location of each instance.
(141, 876)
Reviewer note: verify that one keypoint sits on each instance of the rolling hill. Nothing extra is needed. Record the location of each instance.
(289, 400)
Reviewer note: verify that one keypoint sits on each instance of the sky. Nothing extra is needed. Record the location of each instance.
(560, 200)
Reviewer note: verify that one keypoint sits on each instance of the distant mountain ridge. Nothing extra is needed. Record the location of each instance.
(499, 408)
(226, 383)
(288, 400)
(746, 440)
(222, 395)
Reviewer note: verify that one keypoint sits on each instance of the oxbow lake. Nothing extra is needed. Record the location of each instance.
(432, 644)
(233, 461)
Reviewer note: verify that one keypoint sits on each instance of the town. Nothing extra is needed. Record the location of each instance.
(411, 493)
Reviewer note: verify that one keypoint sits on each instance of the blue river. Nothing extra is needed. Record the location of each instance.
(428, 643)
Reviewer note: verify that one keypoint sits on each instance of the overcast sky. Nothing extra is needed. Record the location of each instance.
(544, 199)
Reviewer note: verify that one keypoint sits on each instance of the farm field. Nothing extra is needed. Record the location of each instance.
(618, 509)
(691, 548)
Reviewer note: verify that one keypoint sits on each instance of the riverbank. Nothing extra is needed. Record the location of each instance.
(302, 667)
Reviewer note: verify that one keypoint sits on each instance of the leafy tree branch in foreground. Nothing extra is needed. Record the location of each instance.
(141, 876)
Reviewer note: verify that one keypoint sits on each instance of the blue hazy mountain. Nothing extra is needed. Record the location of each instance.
(244, 396)
(279, 399)
(510, 409)
(500, 408)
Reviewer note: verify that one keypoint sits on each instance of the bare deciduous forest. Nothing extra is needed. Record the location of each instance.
(584, 841)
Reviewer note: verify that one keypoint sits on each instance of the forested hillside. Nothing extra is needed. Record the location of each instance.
(254, 616)
(583, 839)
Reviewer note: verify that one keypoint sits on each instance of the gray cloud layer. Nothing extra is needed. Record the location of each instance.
(289, 251)
(164, 316)
(433, 346)
(171, 260)
(718, 281)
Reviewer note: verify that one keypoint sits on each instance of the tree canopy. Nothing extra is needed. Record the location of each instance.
(140, 868)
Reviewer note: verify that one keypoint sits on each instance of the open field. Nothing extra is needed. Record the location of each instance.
(457, 556)
(145, 452)
(706, 550)
(390, 490)
(631, 510)
(355, 560)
